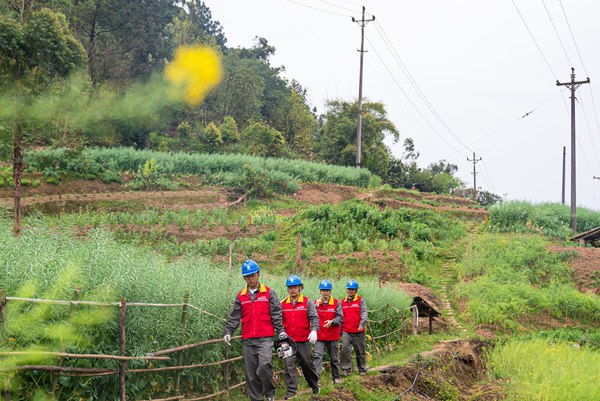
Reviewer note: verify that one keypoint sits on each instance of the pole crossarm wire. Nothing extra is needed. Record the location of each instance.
(572, 86)
(362, 22)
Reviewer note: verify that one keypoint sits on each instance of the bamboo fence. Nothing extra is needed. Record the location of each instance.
(378, 337)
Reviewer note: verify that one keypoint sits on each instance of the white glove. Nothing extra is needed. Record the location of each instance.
(282, 335)
(312, 337)
(227, 339)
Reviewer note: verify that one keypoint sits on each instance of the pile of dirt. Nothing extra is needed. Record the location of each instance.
(585, 263)
(452, 370)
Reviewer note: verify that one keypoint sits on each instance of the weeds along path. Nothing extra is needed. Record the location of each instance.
(448, 279)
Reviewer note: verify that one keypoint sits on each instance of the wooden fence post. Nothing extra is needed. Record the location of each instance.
(4, 379)
(186, 298)
(226, 367)
(60, 361)
(387, 337)
(122, 364)
(415, 314)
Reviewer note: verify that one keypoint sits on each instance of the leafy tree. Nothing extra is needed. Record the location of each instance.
(301, 124)
(337, 137)
(261, 140)
(211, 138)
(486, 198)
(229, 130)
(39, 49)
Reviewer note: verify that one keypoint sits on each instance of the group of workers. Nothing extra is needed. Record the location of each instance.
(320, 323)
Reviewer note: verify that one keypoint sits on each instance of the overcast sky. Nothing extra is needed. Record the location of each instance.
(456, 76)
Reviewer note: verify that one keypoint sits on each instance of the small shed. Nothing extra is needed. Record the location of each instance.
(420, 308)
(591, 237)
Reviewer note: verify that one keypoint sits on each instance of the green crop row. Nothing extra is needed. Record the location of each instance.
(283, 174)
(507, 279)
(542, 370)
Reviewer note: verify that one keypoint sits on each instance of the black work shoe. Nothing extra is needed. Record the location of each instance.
(316, 390)
(289, 396)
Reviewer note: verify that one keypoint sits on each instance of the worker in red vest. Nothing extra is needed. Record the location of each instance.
(331, 317)
(259, 311)
(353, 330)
(301, 322)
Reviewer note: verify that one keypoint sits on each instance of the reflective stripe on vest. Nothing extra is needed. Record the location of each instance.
(327, 312)
(295, 318)
(256, 315)
(351, 311)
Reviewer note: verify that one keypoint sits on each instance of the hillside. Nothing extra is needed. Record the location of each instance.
(489, 287)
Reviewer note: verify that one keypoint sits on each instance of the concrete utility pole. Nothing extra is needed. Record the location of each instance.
(563, 176)
(573, 85)
(474, 172)
(362, 22)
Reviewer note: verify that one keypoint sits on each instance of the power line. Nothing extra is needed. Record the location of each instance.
(557, 35)
(410, 100)
(582, 63)
(317, 9)
(335, 5)
(533, 38)
(489, 178)
(589, 132)
(503, 127)
(413, 83)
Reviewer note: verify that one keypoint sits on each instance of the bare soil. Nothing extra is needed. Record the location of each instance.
(451, 370)
(586, 265)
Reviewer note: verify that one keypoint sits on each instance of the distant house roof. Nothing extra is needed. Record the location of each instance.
(590, 236)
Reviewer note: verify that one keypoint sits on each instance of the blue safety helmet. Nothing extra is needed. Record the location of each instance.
(352, 285)
(250, 267)
(325, 285)
(293, 280)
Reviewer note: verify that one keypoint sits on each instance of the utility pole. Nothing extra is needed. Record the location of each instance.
(563, 176)
(362, 22)
(475, 160)
(573, 85)
(595, 178)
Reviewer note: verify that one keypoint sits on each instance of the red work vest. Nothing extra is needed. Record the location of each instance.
(295, 318)
(351, 311)
(327, 312)
(256, 315)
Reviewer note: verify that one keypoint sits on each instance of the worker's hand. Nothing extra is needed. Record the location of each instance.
(312, 337)
(362, 329)
(318, 302)
(328, 323)
(282, 335)
(227, 339)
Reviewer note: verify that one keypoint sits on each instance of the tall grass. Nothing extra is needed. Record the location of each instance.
(551, 219)
(544, 371)
(226, 166)
(106, 270)
(506, 279)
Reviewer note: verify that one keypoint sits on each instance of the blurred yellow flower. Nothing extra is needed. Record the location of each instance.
(194, 72)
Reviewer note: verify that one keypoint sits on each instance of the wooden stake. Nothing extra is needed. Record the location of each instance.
(122, 364)
(226, 367)
(186, 298)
